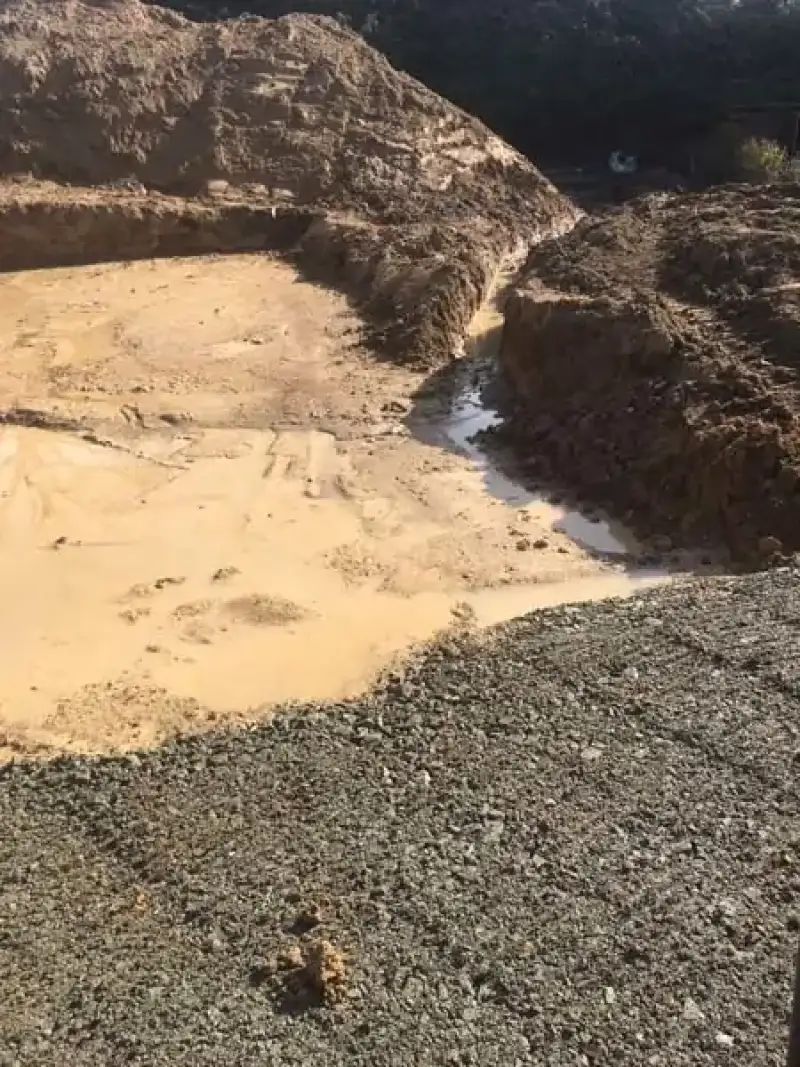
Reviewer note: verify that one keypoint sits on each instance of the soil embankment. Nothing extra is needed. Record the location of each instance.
(416, 288)
(654, 351)
(418, 196)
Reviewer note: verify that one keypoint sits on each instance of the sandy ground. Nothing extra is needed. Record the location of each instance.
(248, 517)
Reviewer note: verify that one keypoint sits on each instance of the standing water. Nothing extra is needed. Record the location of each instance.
(467, 419)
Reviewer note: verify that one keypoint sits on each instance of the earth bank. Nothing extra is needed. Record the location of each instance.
(654, 351)
(295, 111)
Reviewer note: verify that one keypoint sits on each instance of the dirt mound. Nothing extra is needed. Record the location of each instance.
(302, 138)
(105, 90)
(656, 353)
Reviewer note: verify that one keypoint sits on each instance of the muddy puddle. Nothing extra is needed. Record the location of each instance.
(464, 428)
(469, 417)
(287, 538)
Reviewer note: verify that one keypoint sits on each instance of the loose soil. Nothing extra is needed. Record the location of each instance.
(114, 90)
(655, 353)
(213, 501)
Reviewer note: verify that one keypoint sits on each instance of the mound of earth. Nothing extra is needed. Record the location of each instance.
(656, 354)
(416, 203)
(96, 91)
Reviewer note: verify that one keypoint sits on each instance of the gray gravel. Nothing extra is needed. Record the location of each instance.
(573, 842)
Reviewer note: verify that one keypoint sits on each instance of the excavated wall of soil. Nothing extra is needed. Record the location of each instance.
(296, 136)
(659, 391)
(416, 287)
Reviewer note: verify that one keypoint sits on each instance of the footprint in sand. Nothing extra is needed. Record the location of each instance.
(193, 609)
(260, 610)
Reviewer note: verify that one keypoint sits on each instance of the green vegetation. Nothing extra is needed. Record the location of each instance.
(762, 160)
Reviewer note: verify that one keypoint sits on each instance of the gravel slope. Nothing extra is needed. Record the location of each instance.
(572, 842)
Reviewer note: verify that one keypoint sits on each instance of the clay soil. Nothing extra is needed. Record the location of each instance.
(230, 255)
(655, 354)
(213, 496)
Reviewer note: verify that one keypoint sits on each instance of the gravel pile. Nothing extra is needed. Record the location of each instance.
(574, 841)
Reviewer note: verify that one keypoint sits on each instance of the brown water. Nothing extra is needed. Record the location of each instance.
(286, 539)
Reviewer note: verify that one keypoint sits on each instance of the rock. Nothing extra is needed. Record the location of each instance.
(217, 186)
(592, 753)
(692, 1012)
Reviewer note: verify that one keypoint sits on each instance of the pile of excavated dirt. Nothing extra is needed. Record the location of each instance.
(95, 91)
(419, 197)
(655, 353)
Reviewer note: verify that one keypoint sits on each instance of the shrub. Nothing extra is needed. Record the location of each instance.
(762, 160)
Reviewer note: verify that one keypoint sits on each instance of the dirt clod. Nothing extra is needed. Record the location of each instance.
(260, 610)
(290, 958)
(324, 971)
(224, 574)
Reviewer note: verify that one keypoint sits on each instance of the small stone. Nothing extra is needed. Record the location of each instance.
(217, 186)
(692, 1012)
(593, 752)
(290, 958)
(609, 995)
(724, 1039)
